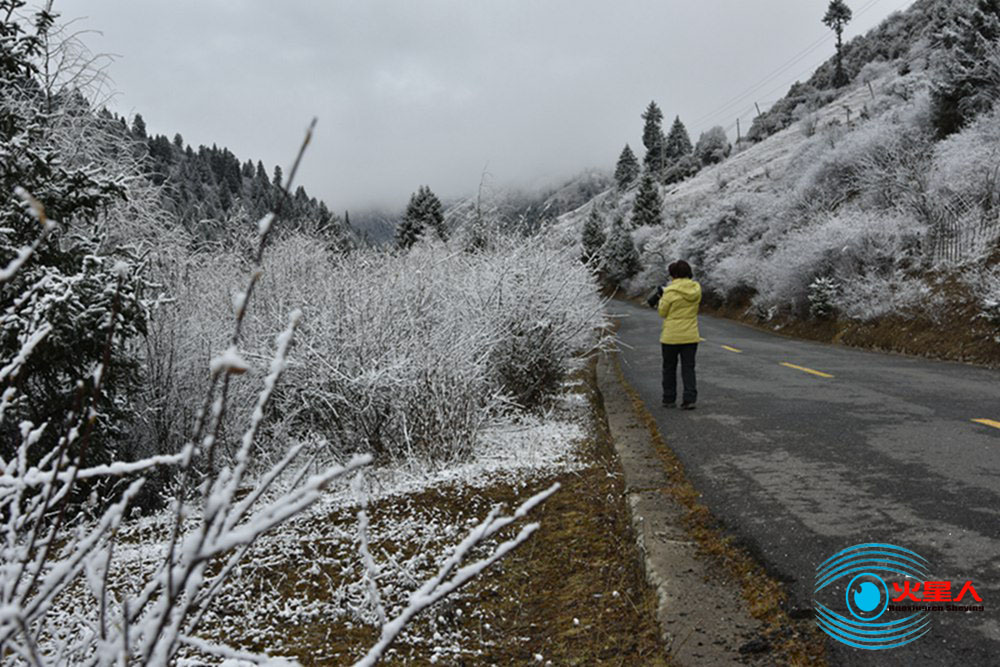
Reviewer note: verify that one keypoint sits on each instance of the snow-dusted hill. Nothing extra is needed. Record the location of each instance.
(865, 207)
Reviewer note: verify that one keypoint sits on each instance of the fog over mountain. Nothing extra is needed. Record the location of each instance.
(433, 92)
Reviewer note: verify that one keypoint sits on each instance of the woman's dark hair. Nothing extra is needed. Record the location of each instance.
(680, 269)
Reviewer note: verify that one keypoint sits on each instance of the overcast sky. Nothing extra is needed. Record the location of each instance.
(412, 92)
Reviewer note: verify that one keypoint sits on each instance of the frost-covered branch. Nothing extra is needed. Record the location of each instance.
(450, 577)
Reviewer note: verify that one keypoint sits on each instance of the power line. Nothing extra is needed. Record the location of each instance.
(801, 55)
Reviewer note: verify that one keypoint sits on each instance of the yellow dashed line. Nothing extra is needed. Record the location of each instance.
(987, 422)
(732, 349)
(806, 370)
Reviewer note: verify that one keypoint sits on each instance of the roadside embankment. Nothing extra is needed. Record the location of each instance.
(716, 605)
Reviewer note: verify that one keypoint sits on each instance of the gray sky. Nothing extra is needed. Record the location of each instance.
(432, 91)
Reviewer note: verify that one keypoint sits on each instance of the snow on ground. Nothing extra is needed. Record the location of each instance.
(305, 579)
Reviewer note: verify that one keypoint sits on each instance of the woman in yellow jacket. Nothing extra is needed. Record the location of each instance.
(678, 307)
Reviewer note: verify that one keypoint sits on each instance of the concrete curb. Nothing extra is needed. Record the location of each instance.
(702, 616)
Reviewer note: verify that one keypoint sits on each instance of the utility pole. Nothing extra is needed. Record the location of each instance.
(738, 136)
(758, 109)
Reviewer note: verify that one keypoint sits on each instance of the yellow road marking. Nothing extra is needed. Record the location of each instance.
(987, 422)
(732, 349)
(806, 370)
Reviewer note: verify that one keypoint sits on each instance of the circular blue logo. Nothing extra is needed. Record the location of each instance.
(868, 622)
(867, 593)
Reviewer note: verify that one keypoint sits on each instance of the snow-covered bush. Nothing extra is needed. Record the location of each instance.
(986, 285)
(870, 295)
(822, 292)
(965, 181)
(713, 146)
(883, 163)
(852, 247)
(401, 355)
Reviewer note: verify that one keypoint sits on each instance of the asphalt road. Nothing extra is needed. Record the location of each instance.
(879, 448)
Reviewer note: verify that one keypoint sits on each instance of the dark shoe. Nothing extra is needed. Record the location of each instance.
(670, 405)
(687, 406)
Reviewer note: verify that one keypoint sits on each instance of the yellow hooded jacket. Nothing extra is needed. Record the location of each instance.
(679, 310)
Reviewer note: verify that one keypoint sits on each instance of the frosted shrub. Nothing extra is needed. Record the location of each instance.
(189, 321)
(883, 164)
(987, 286)
(402, 355)
(851, 246)
(822, 292)
(966, 182)
(551, 313)
(391, 368)
(871, 295)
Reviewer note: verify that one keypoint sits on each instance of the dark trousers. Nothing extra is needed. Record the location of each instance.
(687, 353)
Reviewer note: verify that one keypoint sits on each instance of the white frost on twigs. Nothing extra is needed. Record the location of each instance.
(35, 477)
(121, 269)
(233, 657)
(264, 224)
(229, 361)
(440, 586)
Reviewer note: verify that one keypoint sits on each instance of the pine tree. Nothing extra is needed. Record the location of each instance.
(139, 127)
(70, 291)
(593, 238)
(967, 80)
(423, 211)
(648, 208)
(433, 213)
(627, 169)
(653, 139)
(838, 15)
(622, 259)
(678, 142)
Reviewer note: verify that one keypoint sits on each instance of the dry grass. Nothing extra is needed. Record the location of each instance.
(793, 642)
(574, 594)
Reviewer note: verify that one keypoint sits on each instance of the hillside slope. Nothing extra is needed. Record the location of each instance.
(862, 221)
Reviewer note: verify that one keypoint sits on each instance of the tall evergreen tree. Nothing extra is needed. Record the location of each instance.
(423, 211)
(678, 142)
(648, 207)
(652, 138)
(837, 16)
(139, 127)
(622, 258)
(627, 169)
(71, 294)
(593, 237)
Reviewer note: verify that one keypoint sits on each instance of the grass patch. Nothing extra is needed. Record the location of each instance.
(574, 594)
(793, 642)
